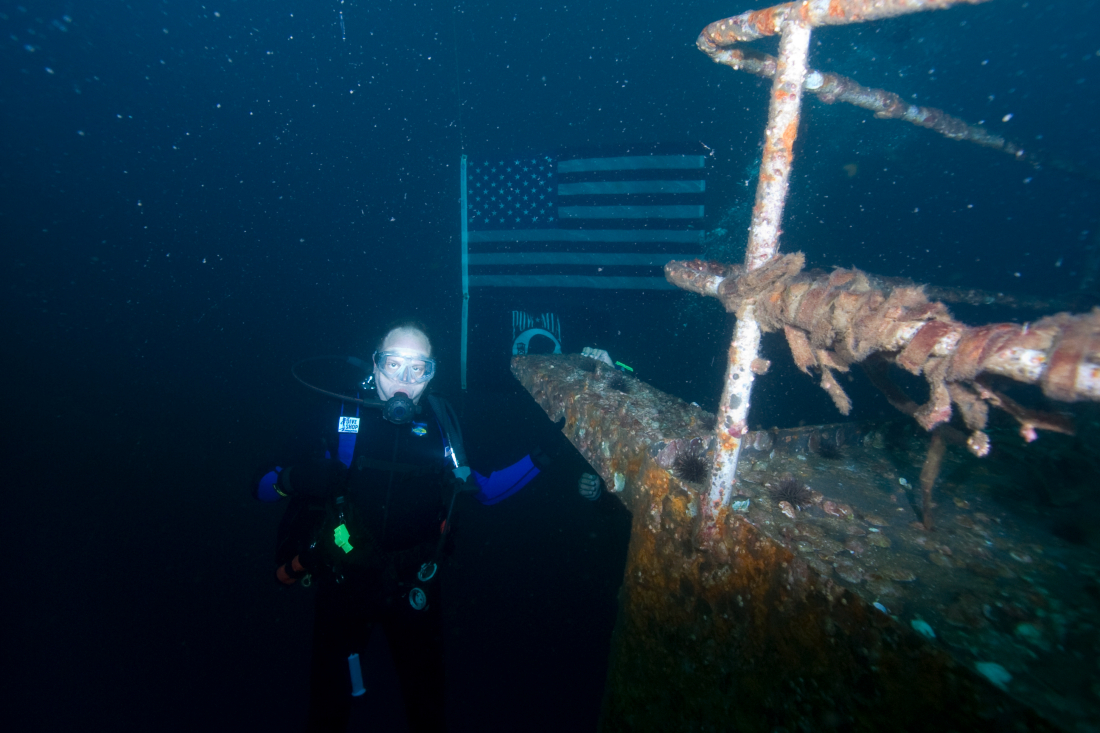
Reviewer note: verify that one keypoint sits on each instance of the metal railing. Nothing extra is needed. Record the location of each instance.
(1063, 356)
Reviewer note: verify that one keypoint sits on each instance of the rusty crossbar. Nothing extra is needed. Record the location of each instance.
(791, 75)
(830, 88)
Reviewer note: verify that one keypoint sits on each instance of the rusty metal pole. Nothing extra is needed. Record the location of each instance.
(771, 195)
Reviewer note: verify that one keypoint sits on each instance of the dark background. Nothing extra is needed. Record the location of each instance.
(195, 195)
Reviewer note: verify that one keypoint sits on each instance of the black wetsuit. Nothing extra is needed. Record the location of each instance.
(397, 490)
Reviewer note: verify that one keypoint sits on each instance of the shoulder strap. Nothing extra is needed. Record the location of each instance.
(452, 434)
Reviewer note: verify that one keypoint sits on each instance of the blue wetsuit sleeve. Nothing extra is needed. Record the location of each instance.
(505, 482)
(264, 489)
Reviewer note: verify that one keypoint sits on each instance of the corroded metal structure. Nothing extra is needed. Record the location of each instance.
(833, 320)
(746, 633)
(753, 601)
(722, 42)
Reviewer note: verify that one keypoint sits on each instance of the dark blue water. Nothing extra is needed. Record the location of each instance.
(196, 195)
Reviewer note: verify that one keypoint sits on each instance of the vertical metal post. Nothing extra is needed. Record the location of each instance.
(465, 272)
(771, 195)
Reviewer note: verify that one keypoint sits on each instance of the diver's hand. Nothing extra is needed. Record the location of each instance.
(598, 355)
(590, 486)
(464, 479)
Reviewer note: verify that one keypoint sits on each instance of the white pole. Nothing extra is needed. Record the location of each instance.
(465, 273)
(771, 195)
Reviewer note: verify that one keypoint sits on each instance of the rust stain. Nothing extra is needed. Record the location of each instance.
(721, 627)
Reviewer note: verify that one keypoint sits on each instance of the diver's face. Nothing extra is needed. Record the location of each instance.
(408, 345)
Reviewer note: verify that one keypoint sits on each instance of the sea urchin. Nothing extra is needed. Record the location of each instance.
(790, 490)
(691, 464)
(619, 382)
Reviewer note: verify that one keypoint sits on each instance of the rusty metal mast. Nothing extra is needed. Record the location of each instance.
(790, 74)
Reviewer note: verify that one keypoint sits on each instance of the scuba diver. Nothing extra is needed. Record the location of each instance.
(371, 498)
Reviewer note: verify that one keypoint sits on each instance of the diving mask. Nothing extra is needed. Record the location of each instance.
(404, 368)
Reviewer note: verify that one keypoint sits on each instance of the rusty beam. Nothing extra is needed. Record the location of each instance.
(756, 24)
(836, 319)
(720, 40)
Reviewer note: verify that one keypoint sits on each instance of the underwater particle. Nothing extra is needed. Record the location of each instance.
(922, 628)
(995, 673)
(691, 464)
(790, 490)
(618, 382)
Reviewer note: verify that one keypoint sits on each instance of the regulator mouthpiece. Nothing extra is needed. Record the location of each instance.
(399, 409)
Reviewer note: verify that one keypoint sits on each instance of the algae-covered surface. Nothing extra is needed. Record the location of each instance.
(838, 609)
(1008, 579)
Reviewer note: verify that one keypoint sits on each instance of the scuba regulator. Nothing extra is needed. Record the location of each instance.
(399, 409)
